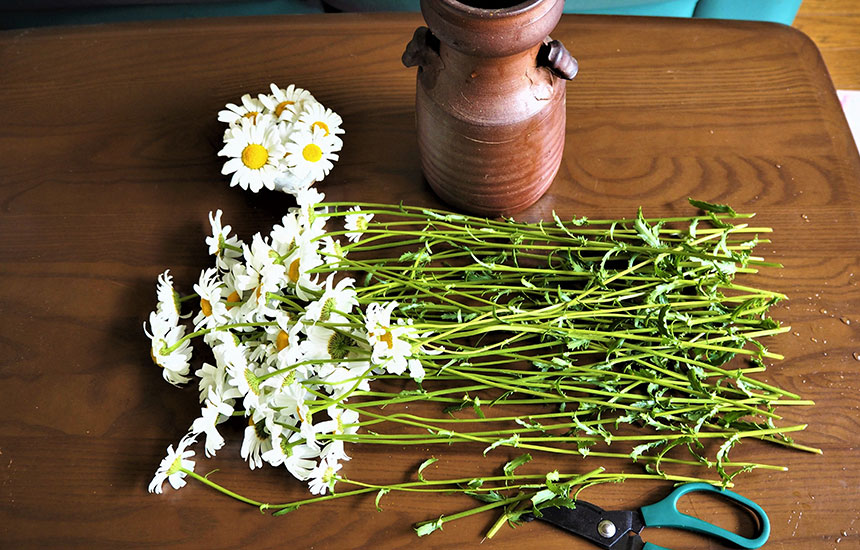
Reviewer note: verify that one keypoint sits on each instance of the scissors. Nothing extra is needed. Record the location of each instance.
(619, 530)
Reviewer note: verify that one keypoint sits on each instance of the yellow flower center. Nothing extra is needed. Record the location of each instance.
(252, 115)
(282, 340)
(321, 125)
(175, 466)
(329, 475)
(293, 272)
(312, 152)
(281, 106)
(388, 338)
(205, 307)
(254, 156)
(234, 298)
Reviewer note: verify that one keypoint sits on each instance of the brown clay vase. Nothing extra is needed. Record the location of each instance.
(490, 101)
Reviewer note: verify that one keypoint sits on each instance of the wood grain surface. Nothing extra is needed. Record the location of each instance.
(834, 25)
(108, 138)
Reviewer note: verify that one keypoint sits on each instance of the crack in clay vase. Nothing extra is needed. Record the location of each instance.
(490, 101)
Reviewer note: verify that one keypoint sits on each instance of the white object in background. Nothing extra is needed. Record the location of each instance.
(850, 100)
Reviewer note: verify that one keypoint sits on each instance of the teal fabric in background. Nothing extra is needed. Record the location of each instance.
(781, 11)
(666, 8)
(18, 18)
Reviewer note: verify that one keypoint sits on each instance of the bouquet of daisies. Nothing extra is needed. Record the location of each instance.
(288, 347)
(284, 140)
(581, 335)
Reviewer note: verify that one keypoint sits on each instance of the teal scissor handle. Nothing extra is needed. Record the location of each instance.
(665, 514)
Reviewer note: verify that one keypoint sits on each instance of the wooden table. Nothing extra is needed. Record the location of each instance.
(108, 171)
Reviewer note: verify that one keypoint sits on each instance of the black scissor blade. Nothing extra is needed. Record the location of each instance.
(585, 521)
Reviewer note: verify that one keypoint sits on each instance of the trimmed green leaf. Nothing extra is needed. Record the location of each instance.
(382, 492)
(513, 441)
(712, 207)
(516, 463)
(424, 529)
(424, 464)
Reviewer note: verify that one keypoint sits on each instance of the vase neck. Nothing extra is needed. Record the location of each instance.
(497, 71)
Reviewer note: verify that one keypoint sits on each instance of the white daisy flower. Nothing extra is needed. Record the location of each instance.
(221, 244)
(261, 275)
(234, 298)
(313, 224)
(356, 223)
(324, 343)
(342, 422)
(247, 380)
(213, 378)
(283, 236)
(331, 250)
(286, 104)
(172, 464)
(337, 380)
(283, 349)
(299, 264)
(255, 152)
(324, 476)
(168, 305)
(251, 110)
(334, 303)
(311, 154)
(259, 258)
(215, 412)
(316, 117)
(389, 344)
(294, 453)
(165, 334)
(290, 403)
(213, 310)
(307, 200)
(416, 369)
(255, 443)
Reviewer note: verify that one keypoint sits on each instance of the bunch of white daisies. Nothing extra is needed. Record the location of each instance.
(285, 140)
(288, 346)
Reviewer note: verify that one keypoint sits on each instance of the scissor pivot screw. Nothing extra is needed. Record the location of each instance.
(606, 529)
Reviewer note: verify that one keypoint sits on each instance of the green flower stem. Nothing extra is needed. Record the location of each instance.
(591, 247)
(512, 386)
(485, 508)
(328, 401)
(667, 234)
(793, 445)
(440, 216)
(723, 372)
(513, 482)
(168, 350)
(227, 246)
(219, 488)
(487, 436)
(447, 436)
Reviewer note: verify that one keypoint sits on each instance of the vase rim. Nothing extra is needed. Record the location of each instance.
(491, 32)
(517, 8)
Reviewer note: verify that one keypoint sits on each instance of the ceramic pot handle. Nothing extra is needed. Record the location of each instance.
(555, 57)
(422, 50)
